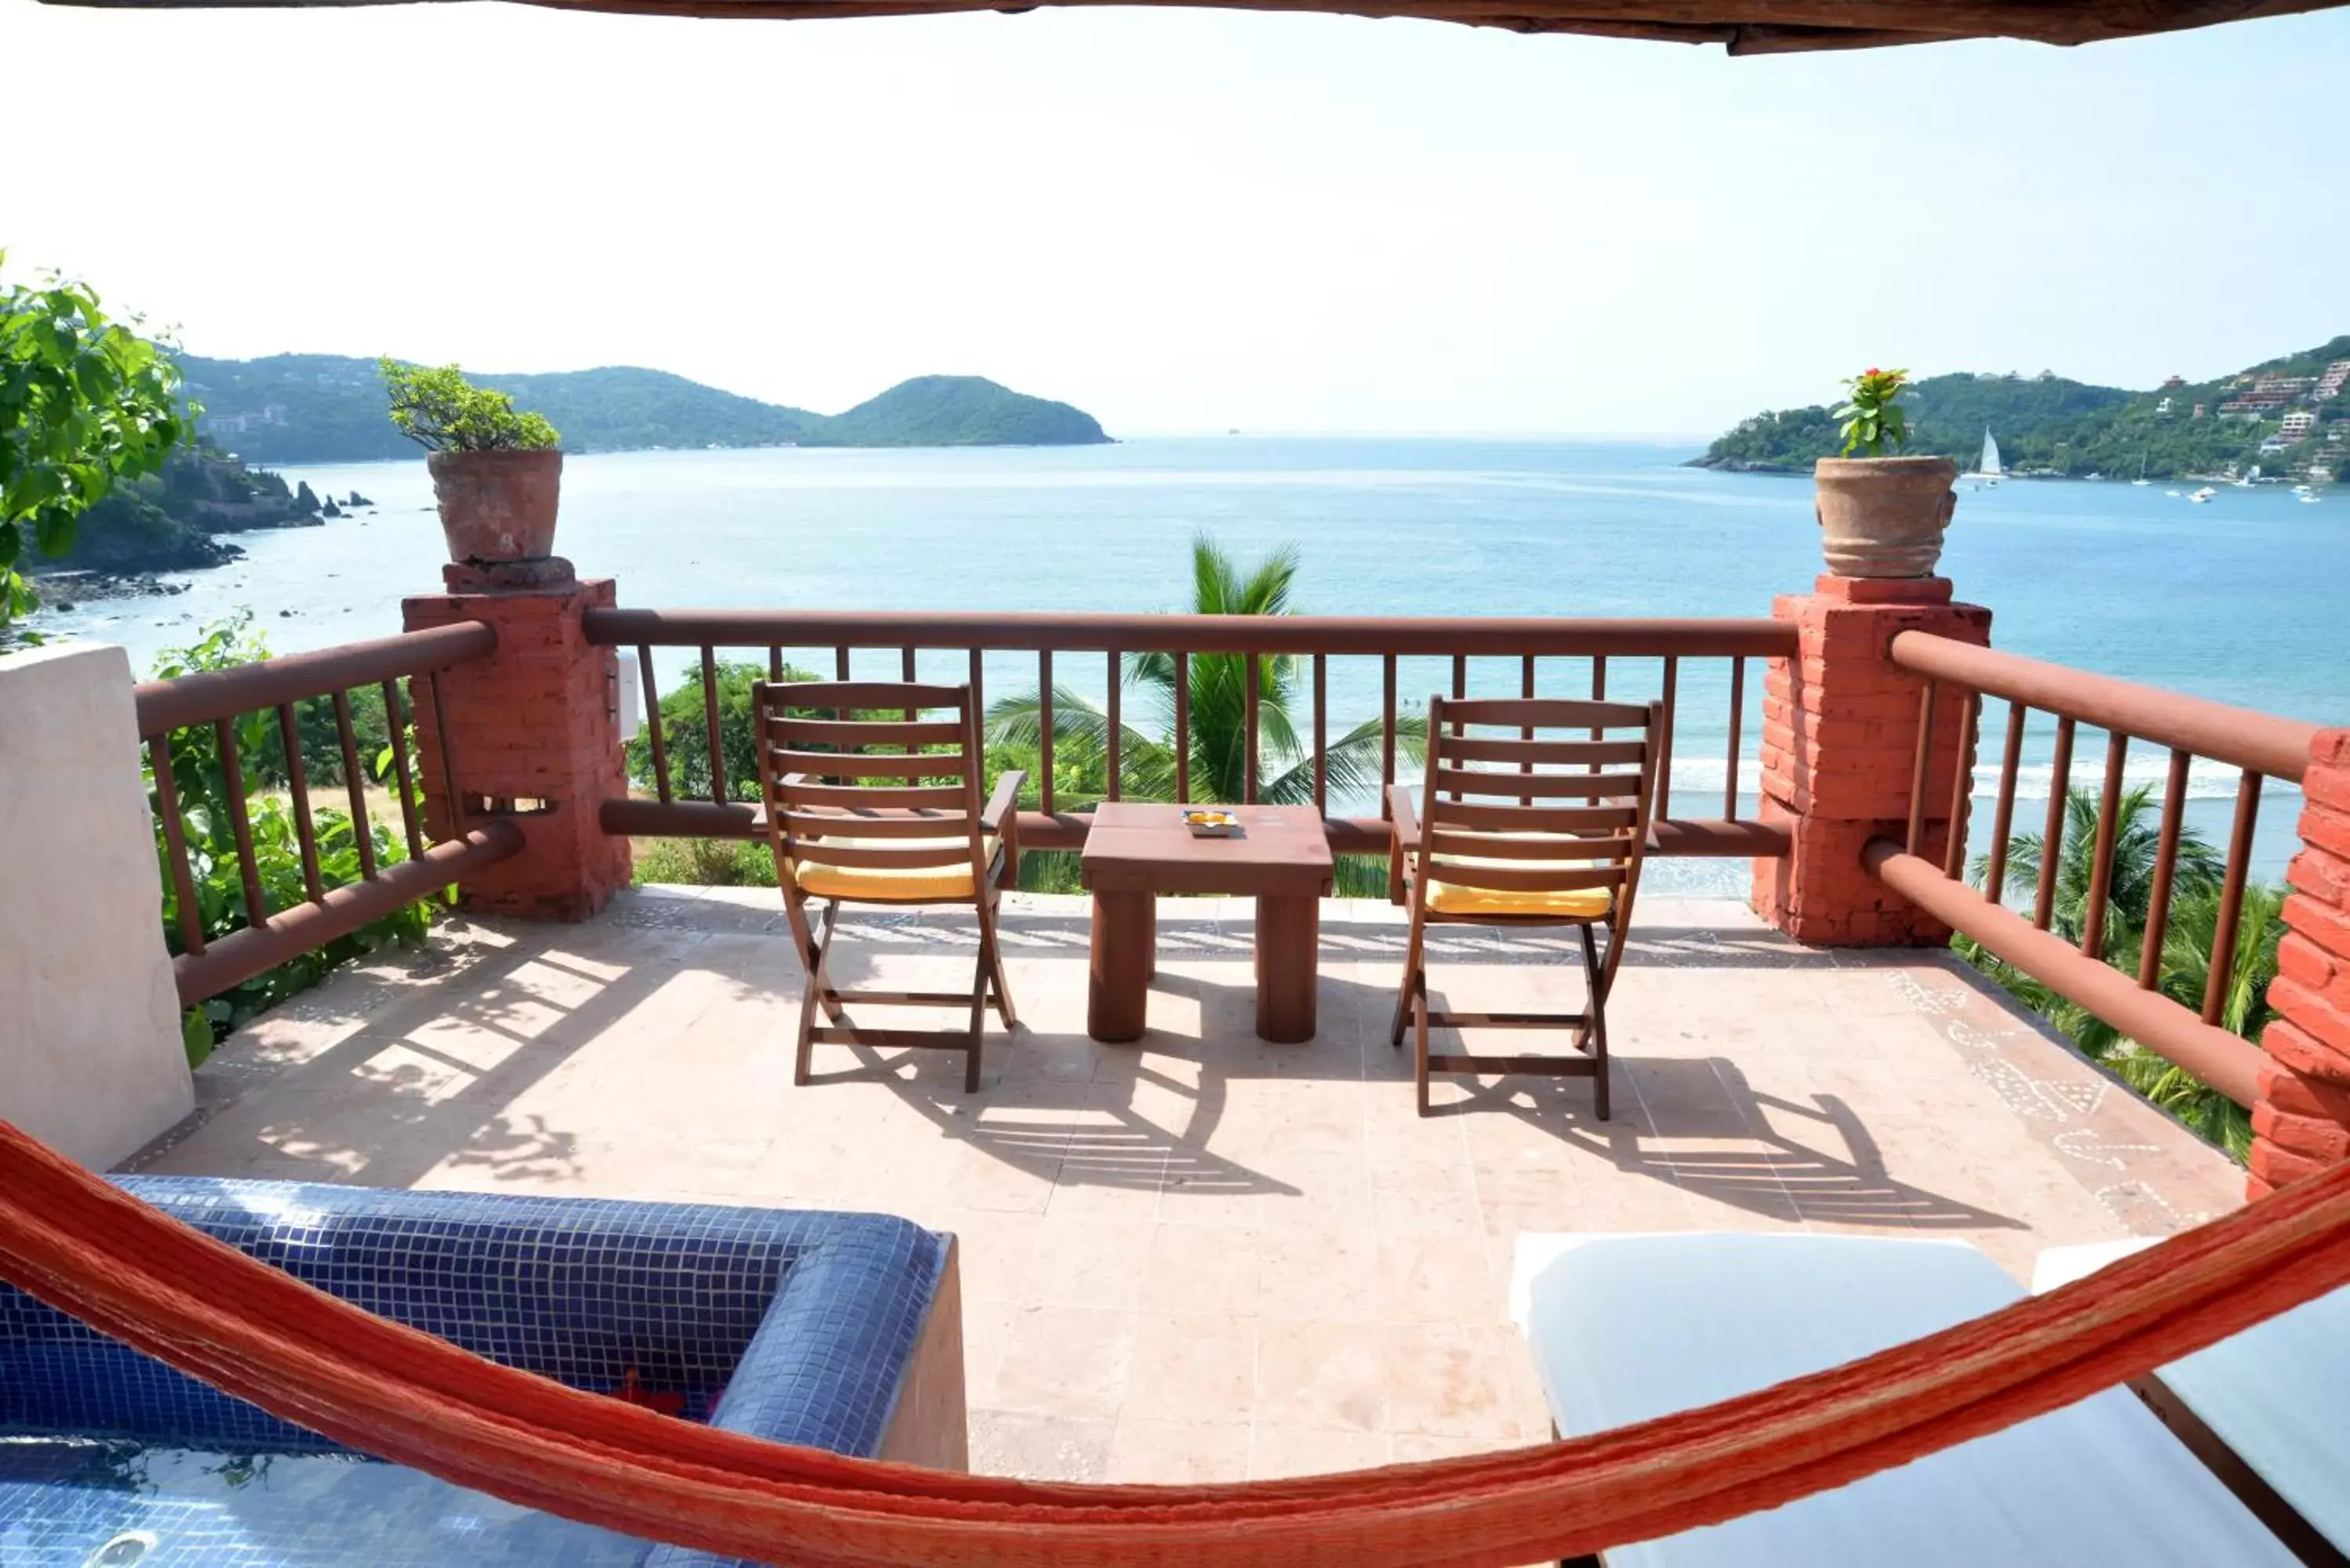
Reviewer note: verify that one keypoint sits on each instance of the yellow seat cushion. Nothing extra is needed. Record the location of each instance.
(1574, 904)
(889, 882)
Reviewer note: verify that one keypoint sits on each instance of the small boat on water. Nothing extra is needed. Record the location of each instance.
(2171, 493)
(2203, 496)
(2141, 478)
(1987, 468)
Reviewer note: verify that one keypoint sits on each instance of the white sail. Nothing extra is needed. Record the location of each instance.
(1989, 466)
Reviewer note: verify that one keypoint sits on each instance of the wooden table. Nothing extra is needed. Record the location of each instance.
(1136, 851)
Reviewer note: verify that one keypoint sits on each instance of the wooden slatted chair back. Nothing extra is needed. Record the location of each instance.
(1533, 796)
(870, 775)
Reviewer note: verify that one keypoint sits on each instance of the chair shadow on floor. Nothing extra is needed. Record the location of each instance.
(1048, 1106)
(1699, 1124)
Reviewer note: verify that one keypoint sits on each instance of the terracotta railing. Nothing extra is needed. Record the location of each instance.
(2259, 745)
(1661, 646)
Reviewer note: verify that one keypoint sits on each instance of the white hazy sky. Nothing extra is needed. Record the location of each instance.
(1188, 219)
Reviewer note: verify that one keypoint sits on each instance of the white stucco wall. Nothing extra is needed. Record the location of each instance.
(90, 1056)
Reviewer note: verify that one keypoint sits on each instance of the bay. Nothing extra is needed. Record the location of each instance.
(2242, 600)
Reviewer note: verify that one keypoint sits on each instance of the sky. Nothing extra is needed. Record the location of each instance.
(1188, 219)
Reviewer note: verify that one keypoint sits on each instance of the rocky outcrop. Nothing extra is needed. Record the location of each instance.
(168, 524)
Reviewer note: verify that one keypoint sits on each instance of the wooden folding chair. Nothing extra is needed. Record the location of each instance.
(1553, 836)
(867, 809)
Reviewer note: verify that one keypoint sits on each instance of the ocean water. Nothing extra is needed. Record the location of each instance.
(2242, 600)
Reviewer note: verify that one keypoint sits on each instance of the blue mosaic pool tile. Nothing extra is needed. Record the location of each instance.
(798, 1327)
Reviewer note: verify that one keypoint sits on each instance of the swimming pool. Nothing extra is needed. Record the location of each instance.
(810, 1328)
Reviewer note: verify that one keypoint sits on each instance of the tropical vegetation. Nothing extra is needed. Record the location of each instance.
(2187, 959)
(86, 405)
(328, 408)
(440, 410)
(2047, 423)
(1219, 756)
(202, 783)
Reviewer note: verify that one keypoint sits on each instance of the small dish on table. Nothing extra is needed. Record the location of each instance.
(1212, 824)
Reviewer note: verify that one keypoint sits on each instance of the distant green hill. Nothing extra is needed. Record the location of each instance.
(328, 408)
(2048, 424)
(957, 410)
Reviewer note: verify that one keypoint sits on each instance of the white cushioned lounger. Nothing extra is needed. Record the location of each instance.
(1624, 1328)
(2277, 1394)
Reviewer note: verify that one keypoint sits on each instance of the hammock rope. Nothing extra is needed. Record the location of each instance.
(90, 1250)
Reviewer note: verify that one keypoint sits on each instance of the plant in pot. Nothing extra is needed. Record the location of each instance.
(496, 470)
(1881, 514)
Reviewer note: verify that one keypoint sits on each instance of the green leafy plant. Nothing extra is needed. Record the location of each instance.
(438, 409)
(1874, 420)
(202, 783)
(85, 404)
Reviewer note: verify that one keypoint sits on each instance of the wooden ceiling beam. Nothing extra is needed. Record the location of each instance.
(1744, 27)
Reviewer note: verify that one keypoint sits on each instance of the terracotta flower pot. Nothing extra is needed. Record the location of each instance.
(497, 506)
(1884, 516)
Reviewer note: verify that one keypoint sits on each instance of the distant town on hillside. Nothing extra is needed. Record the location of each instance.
(2286, 418)
(329, 408)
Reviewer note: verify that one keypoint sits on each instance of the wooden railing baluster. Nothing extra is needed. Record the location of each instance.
(2166, 870)
(1386, 733)
(1251, 681)
(1665, 746)
(2052, 837)
(257, 899)
(355, 785)
(1926, 696)
(2101, 864)
(397, 721)
(712, 734)
(457, 811)
(1322, 734)
(1730, 790)
(1044, 730)
(2222, 977)
(1182, 727)
(1962, 771)
(175, 843)
(653, 721)
(2003, 816)
(297, 783)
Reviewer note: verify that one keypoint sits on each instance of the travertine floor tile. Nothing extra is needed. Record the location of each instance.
(1201, 1256)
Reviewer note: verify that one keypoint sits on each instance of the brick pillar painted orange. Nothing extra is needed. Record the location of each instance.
(535, 733)
(2302, 1123)
(1839, 748)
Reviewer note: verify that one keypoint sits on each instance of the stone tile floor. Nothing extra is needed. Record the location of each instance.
(1201, 1256)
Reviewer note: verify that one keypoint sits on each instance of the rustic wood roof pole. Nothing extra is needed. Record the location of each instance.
(1743, 27)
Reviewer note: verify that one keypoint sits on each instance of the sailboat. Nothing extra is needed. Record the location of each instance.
(2141, 478)
(1987, 468)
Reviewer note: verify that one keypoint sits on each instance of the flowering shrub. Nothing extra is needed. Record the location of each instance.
(1873, 420)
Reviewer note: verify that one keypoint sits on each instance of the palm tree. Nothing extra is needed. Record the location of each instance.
(2137, 837)
(1219, 717)
(2186, 971)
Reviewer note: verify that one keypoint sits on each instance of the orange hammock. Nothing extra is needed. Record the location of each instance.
(92, 1251)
